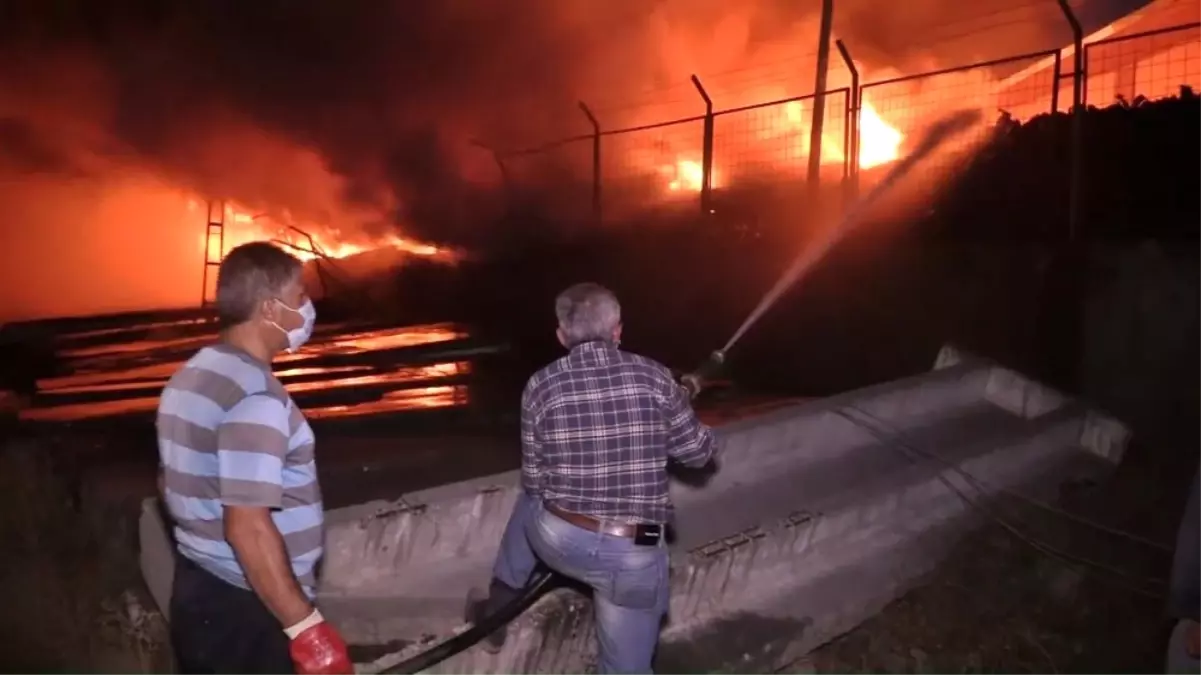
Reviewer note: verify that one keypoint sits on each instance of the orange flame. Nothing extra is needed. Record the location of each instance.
(879, 143)
(684, 176)
(310, 242)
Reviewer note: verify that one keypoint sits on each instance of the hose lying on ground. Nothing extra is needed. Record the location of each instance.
(543, 581)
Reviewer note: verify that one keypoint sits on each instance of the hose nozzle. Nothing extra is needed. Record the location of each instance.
(695, 381)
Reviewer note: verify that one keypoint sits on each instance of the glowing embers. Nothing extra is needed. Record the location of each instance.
(126, 377)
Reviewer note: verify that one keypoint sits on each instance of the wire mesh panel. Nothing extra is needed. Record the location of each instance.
(1020, 87)
(558, 176)
(1030, 90)
(1152, 65)
(770, 142)
(1064, 103)
(652, 166)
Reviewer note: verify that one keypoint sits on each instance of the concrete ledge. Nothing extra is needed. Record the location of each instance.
(820, 514)
(758, 599)
(369, 544)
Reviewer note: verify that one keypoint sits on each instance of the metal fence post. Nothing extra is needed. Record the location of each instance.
(596, 161)
(706, 150)
(1056, 76)
(819, 99)
(1077, 131)
(852, 121)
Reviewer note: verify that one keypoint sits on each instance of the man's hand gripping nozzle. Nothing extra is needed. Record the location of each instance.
(696, 380)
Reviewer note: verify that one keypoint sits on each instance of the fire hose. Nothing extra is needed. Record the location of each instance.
(545, 580)
(934, 137)
(541, 582)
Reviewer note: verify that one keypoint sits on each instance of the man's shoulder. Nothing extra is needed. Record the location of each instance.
(645, 364)
(223, 377)
(545, 374)
(561, 369)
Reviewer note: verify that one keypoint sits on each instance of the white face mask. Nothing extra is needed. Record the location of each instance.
(298, 336)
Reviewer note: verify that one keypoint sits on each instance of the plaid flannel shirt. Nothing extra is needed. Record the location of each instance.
(597, 429)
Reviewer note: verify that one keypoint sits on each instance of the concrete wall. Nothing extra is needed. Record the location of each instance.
(755, 599)
(811, 525)
(820, 514)
(368, 546)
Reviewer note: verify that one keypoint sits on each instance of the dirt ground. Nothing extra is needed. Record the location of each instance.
(998, 605)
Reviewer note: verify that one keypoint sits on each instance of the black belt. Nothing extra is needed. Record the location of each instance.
(643, 534)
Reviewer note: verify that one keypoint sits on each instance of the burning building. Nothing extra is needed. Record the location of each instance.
(114, 119)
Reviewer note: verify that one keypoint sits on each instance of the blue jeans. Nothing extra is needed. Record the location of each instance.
(629, 582)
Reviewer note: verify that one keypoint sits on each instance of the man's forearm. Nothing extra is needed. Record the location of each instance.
(261, 552)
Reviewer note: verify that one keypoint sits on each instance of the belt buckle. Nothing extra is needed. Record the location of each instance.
(648, 535)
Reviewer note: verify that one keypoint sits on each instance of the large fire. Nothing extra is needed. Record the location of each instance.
(308, 242)
(680, 173)
(879, 144)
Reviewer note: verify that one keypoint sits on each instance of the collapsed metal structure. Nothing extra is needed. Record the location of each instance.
(820, 515)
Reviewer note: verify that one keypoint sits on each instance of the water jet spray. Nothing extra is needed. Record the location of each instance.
(808, 258)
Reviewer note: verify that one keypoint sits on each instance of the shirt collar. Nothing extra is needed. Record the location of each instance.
(593, 345)
(597, 351)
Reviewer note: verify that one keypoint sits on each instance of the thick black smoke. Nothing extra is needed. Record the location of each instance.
(256, 99)
(360, 114)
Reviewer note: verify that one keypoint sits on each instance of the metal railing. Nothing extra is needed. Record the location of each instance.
(687, 161)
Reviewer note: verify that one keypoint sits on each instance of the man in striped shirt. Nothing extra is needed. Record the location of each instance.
(240, 483)
(598, 427)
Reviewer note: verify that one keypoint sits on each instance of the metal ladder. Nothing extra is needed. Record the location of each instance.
(214, 250)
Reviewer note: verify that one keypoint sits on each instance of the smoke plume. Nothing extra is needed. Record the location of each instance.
(359, 115)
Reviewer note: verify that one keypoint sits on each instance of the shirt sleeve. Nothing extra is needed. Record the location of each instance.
(531, 446)
(252, 443)
(689, 441)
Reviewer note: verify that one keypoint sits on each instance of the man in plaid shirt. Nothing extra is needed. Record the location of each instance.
(597, 429)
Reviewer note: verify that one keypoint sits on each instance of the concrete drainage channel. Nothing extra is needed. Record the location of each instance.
(820, 515)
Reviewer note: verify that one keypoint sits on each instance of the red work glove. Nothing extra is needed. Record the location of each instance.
(319, 650)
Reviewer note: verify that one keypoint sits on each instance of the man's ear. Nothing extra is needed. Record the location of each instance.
(268, 309)
(617, 333)
(562, 336)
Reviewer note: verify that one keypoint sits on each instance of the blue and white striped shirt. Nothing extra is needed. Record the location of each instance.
(230, 435)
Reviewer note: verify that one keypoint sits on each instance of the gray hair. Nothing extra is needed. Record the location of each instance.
(586, 312)
(250, 274)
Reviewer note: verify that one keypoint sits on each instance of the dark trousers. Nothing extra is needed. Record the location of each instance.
(219, 628)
